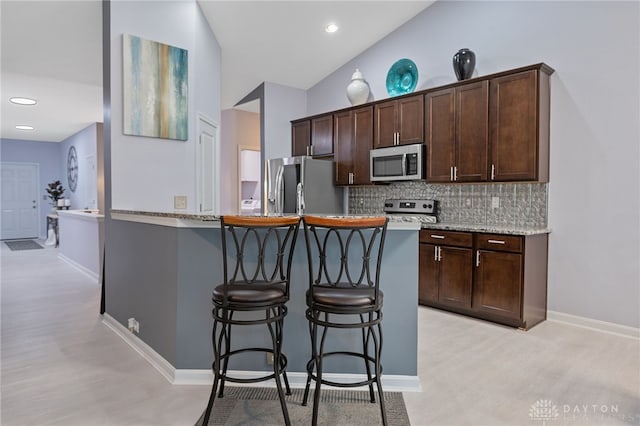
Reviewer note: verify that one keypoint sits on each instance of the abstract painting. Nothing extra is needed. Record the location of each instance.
(155, 87)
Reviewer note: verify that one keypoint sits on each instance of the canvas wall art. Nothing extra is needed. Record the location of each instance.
(155, 86)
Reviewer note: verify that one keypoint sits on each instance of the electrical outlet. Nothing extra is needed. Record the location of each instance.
(495, 202)
(467, 202)
(180, 202)
(269, 358)
(134, 326)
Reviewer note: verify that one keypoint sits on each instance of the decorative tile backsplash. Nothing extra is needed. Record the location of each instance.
(520, 204)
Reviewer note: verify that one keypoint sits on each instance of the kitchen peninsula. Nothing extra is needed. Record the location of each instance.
(168, 264)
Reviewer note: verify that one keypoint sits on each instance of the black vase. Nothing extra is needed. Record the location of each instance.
(464, 62)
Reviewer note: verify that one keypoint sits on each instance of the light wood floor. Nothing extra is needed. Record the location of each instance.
(62, 366)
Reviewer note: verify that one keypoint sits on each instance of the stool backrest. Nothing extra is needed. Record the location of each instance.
(258, 249)
(345, 252)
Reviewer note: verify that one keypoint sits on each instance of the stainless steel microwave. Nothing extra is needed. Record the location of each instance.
(401, 162)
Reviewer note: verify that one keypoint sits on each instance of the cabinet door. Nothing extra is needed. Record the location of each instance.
(428, 274)
(498, 284)
(322, 135)
(472, 132)
(363, 142)
(300, 137)
(439, 120)
(385, 124)
(410, 125)
(344, 146)
(513, 114)
(455, 277)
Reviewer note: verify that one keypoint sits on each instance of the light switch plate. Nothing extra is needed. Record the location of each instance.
(180, 202)
(495, 202)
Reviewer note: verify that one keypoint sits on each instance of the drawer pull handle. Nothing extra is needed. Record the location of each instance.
(477, 258)
(495, 242)
(438, 237)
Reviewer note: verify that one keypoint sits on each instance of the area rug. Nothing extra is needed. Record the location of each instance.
(23, 245)
(339, 407)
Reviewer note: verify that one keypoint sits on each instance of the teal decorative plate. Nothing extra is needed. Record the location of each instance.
(402, 77)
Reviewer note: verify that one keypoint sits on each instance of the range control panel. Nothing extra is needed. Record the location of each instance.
(411, 206)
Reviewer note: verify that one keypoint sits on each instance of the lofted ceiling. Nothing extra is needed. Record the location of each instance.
(52, 51)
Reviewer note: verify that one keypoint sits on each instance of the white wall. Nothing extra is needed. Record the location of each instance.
(594, 190)
(281, 105)
(240, 128)
(147, 172)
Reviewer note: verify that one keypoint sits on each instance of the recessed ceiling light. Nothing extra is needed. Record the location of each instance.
(23, 101)
(24, 127)
(331, 28)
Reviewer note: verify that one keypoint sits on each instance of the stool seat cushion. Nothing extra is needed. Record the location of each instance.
(250, 293)
(344, 295)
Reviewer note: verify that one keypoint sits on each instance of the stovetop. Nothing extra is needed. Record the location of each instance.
(403, 210)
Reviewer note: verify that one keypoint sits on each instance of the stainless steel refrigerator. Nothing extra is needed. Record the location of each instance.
(299, 185)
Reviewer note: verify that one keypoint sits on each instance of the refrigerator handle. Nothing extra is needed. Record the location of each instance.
(279, 198)
(299, 199)
(270, 195)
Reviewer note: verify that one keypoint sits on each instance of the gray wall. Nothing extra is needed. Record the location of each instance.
(46, 155)
(594, 189)
(86, 144)
(168, 274)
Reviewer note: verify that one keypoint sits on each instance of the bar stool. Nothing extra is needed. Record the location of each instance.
(344, 293)
(257, 255)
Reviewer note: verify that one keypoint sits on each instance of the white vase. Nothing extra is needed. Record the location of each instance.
(358, 89)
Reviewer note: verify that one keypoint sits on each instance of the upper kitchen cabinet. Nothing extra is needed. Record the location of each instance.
(322, 135)
(300, 137)
(399, 122)
(457, 135)
(519, 125)
(353, 138)
(312, 136)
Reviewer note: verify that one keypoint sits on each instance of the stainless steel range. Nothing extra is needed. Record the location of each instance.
(423, 211)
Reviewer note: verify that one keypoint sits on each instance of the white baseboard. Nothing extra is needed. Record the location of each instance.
(147, 352)
(593, 324)
(94, 277)
(390, 383)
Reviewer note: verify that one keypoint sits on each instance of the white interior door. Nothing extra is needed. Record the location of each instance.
(20, 206)
(208, 166)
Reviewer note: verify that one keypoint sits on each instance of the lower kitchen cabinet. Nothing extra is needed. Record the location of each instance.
(500, 278)
(445, 271)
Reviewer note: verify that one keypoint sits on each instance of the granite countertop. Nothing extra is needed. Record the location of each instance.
(189, 220)
(493, 229)
(394, 223)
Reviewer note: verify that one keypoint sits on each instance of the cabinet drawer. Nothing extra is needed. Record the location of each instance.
(446, 238)
(499, 242)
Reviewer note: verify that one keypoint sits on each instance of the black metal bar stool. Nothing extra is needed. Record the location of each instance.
(257, 255)
(344, 257)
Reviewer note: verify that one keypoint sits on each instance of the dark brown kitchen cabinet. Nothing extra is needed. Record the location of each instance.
(498, 283)
(500, 278)
(519, 125)
(353, 136)
(399, 122)
(445, 272)
(510, 278)
(457, 135)
(300, 137)
(322, 135)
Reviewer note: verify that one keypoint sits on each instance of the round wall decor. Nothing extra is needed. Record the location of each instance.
(72, 168)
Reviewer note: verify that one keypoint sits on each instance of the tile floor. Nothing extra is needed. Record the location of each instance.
(61, 366)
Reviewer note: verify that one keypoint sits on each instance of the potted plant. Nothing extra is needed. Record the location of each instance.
(55, 191)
